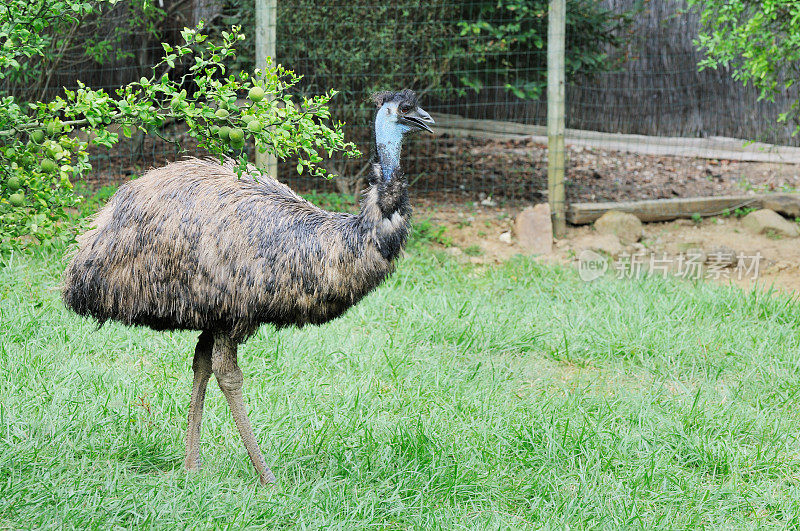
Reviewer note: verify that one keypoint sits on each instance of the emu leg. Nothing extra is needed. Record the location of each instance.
(229, 377)
(202, 372)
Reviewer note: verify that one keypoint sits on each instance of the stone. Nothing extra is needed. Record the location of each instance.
(769, 222)
(506, 238)
(696, 255)
(607, 244)
(787, 205)
(489, 202)
(534, 229)
(623, 225)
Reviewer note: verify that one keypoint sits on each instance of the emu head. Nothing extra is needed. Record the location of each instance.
(398, 114)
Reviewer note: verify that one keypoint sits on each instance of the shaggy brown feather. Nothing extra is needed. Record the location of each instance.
(192, 246)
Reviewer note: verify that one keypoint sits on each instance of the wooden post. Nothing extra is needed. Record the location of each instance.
(266, 26)
(556, 156)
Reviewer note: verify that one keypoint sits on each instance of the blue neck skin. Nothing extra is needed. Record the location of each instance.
(389, 141)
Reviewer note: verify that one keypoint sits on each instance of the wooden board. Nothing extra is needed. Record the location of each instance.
(787, 205)
(662, 209)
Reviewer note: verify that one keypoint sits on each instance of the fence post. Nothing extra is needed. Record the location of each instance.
(556, 156)
(266, 29)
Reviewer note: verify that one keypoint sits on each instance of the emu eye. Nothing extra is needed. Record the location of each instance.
(404, 108)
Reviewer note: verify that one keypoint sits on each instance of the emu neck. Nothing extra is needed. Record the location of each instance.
(385, 210)
(389, 193)
(388, 144)
(386, 214)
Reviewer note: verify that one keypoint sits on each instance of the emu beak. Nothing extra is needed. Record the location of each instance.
(418, 118)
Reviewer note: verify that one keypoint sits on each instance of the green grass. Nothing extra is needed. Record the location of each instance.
(453, 397)
(473, 250)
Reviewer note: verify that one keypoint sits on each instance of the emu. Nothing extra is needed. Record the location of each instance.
(190, 246)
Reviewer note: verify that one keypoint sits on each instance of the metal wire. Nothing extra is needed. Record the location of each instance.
(654, 89)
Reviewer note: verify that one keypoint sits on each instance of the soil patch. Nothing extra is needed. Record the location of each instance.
(475, 231)
(457, 169)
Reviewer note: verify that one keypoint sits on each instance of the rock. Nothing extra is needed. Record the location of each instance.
(454, 251)
(624, 226)
(767, 221)
(788, 205)
(489, 202)
(534, 229)
(696, 255)
(506, 238)
(608, 244)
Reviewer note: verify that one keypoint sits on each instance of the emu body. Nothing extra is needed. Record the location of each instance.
(193, 246)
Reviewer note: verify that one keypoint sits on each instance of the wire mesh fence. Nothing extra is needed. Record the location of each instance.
(643, 122)
(706, 135)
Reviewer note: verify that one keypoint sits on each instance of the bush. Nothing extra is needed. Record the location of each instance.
(511, 38)
(758, 40)
(43, 145)
(442, 49)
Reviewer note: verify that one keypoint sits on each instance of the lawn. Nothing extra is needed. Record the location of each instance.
(456, 396)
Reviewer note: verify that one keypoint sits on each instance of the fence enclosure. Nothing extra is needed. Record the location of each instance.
(490, 92)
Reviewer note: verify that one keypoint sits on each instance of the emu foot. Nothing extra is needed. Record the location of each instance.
(266, 477)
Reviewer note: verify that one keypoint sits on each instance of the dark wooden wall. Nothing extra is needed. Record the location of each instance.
(659, 90)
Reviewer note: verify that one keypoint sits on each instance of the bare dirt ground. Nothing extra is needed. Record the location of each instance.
(516, 169)
(473, 234)
(597, 175)
(448, 168)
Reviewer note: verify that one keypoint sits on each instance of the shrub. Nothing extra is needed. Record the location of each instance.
(43, 145)
(758, 40)
(442, 49)
(511, 38)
